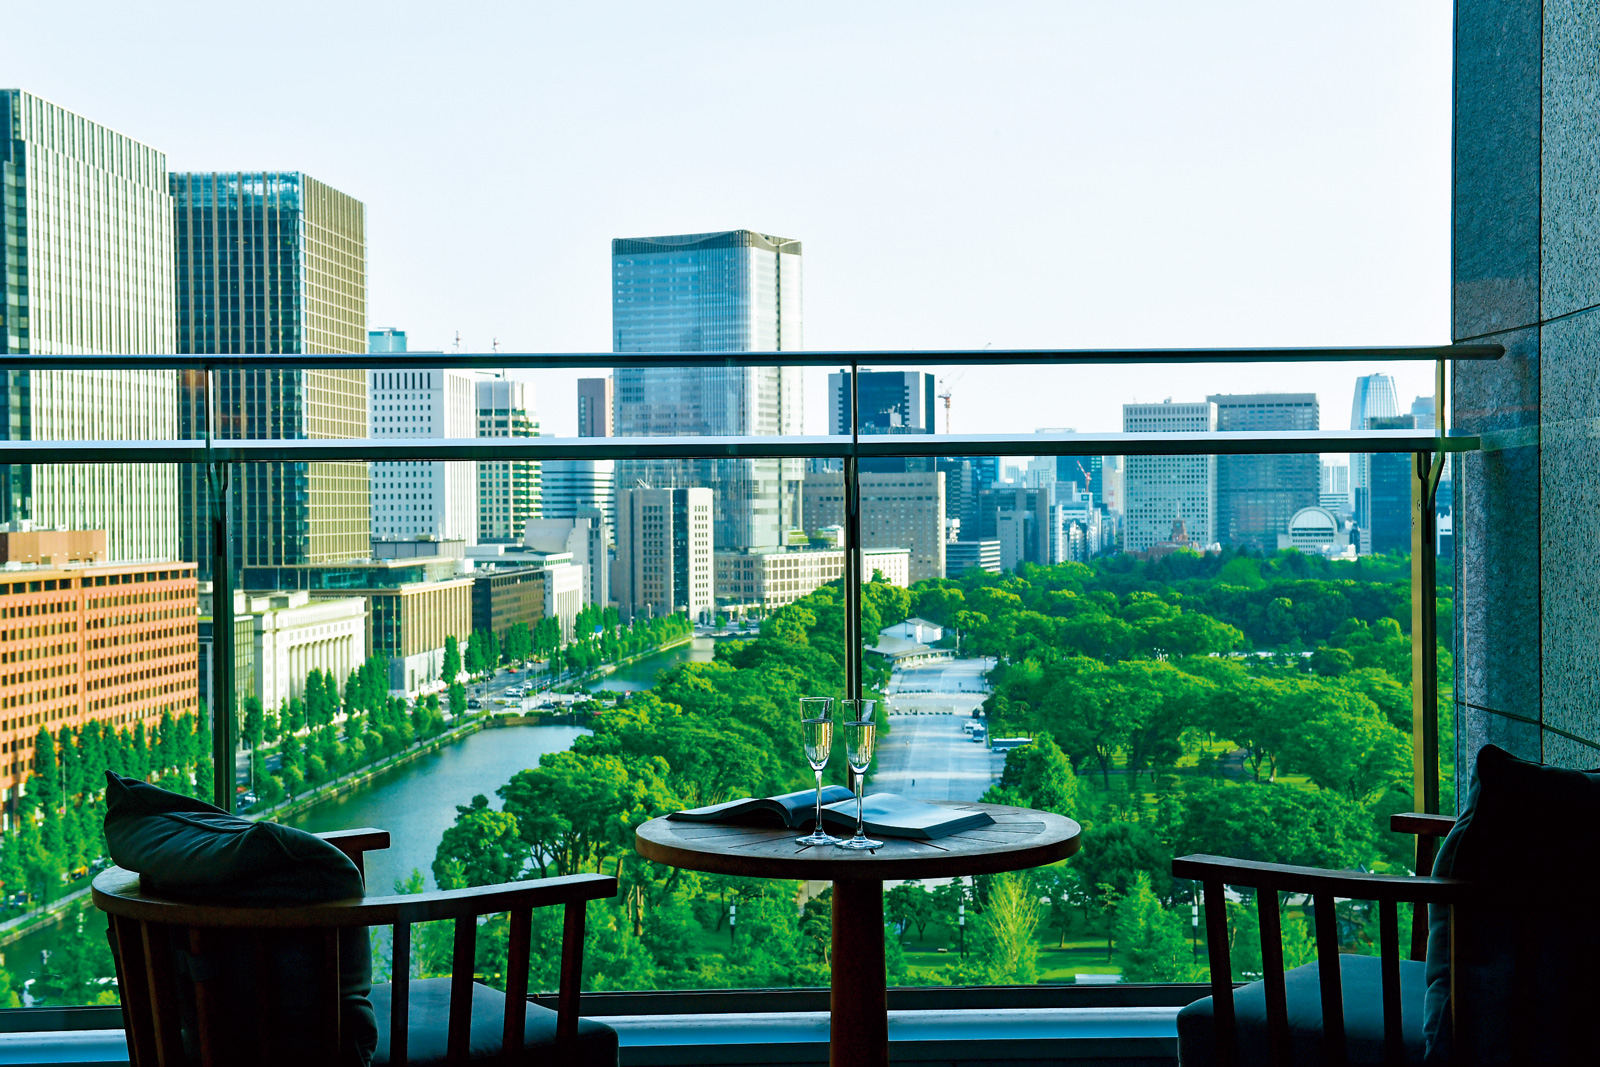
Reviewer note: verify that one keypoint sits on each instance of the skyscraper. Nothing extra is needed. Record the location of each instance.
(734, 291)
(1162, 489)
(886, 402)
(268, 263)
(594, 407)
(431, 500)
(569, 486)
(86, 266)
(510, 491)
(1375, 398)
(1257, 495)
(664, 554)
(1388, 493)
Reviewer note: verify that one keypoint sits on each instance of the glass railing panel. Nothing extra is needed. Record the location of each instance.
(1141, 656)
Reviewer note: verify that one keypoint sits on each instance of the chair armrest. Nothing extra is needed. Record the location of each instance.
(1416, 822)
(355, 842)
(1285, 878)
(117, 891)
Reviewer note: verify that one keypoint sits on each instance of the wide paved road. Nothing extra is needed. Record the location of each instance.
(929, 757)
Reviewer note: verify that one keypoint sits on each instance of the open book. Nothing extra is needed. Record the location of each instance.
(885, 814)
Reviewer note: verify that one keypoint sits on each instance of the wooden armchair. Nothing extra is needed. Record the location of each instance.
(1232, 1041)
(149, 937)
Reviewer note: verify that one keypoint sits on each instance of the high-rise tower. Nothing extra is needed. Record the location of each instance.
(1257, 495)
(271, 263)
(1375, 398)
(1161, 490)
(735, 291)
(86, 267)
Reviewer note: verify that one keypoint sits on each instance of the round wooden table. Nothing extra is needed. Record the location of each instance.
(858, 1006)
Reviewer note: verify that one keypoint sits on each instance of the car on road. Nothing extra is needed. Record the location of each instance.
(474, 703)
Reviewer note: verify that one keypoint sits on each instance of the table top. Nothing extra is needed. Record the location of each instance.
(1019, 838)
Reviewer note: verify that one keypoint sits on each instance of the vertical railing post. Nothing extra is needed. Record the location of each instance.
(1424, 638)
(852, 542)
(220, 516)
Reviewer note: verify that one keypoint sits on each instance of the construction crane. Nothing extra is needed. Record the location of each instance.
(945, 394)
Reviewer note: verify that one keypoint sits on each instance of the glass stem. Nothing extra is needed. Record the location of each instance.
(859, 831)
(819, 803)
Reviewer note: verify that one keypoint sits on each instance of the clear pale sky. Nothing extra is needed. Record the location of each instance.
(1016, 174)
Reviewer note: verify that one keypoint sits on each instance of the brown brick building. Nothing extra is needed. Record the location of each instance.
(115, 642)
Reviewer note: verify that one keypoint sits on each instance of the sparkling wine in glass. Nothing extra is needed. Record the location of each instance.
(860, 736)
(816, 735)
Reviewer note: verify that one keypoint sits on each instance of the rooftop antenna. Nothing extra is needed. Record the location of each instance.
(456, 348)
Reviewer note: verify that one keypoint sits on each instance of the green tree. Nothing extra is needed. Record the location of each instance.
(1040, 776)
(452, 658)
(1005, 933)
(1275, 824)
(1150, 937)
(458, 699)
(481, 848)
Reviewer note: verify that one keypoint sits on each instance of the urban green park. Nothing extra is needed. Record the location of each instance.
(1222, 703)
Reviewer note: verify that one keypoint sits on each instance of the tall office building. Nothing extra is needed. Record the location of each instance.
(1162, 489)
(386, 339)
(898, 510)
(664, 552)
(1257, 495)
(86, 266)
(594, 407)
(1388, 493)
(1375, 398)
(269, 263)
(735, 291)
(569, 486)
(1335, 492)
(509, 490)
(886, 402)
(424, 500)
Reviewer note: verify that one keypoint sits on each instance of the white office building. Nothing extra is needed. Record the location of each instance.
(423, 500)
(584, 539)
(509, 491)
(664, 553)
(1163, 489)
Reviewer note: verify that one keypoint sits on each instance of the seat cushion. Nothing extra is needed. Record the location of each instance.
(1362, 984)
(186, 849)
(1523, 959)
(428, 1028)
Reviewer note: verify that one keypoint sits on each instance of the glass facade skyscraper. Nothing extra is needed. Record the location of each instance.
(1375, 398)
(1257, 495)
(273, 263)
(734, 291)
(86, 266)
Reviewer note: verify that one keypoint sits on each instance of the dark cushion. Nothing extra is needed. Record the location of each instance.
(186, 849)
(1524, 976)
(428, 1028)
(1362, 986)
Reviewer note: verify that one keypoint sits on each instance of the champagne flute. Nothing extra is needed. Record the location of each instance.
(816, 734)
(860, 735)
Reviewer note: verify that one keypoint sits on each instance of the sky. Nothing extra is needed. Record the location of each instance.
(1030, 175)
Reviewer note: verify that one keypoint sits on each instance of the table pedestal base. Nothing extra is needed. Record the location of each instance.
(859, 1002)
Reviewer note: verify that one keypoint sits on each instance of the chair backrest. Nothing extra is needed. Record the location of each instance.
(182, 1008)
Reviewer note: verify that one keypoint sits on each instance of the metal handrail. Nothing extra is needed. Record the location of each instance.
(422, 449)
(991, 357)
